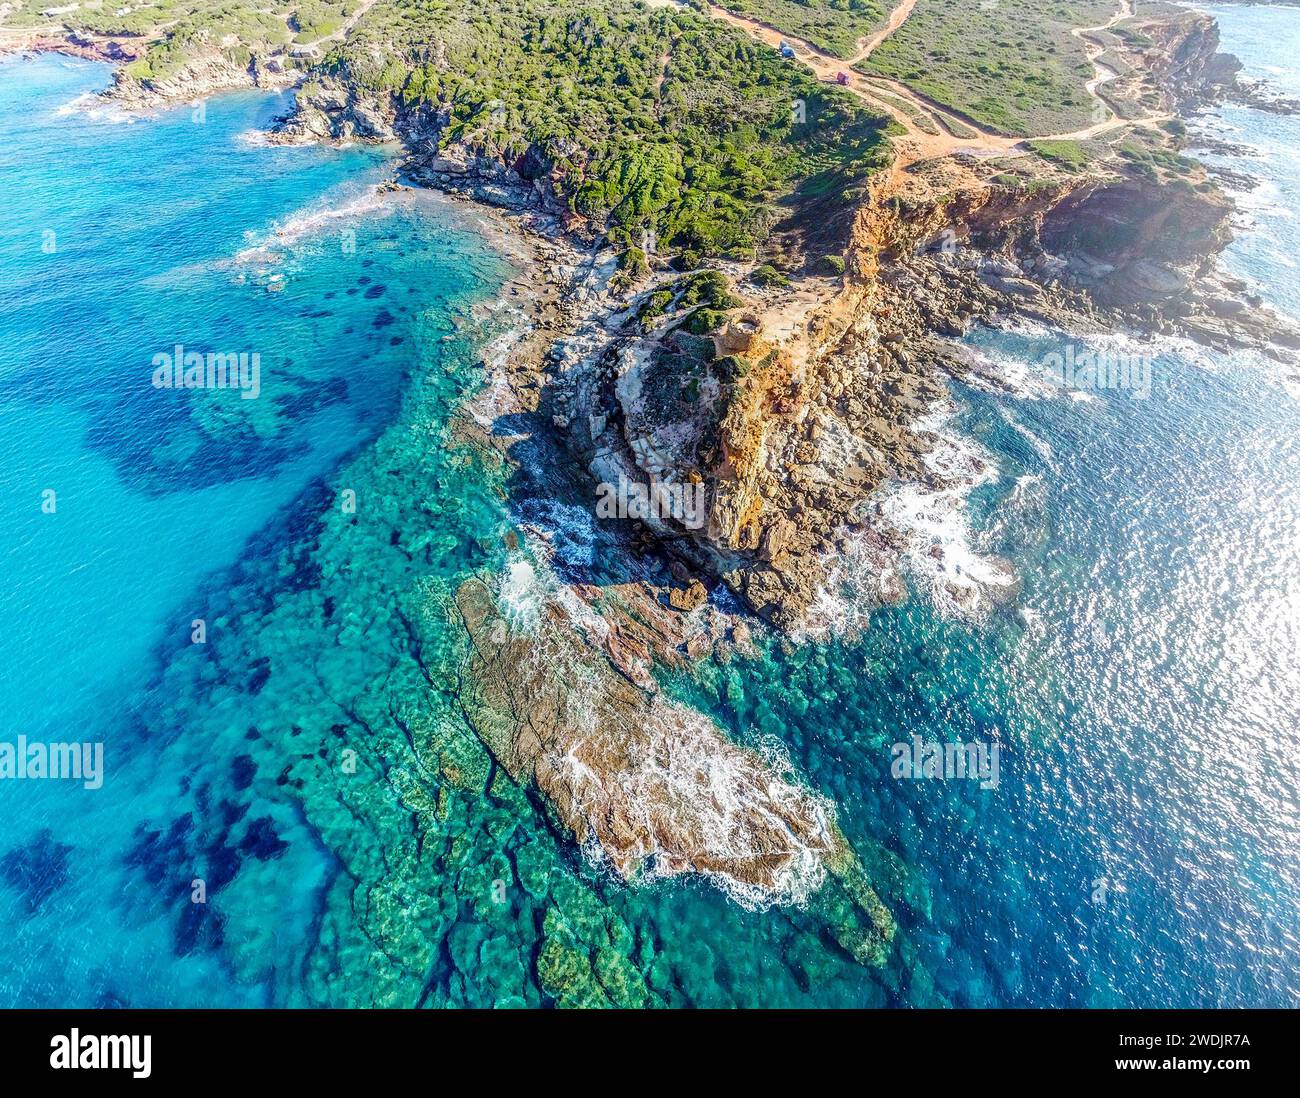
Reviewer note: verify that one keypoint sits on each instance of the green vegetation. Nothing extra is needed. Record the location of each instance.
(1067, 154)
(1149, 156)
(653, 307)
(766, 275)
(707, 294)
(632, 265)
(1134, 38)
(956, 127)
(235, 29)
(317, 19)
(183, 29)
(704, 321)
(835, 26)
(710, 293)
(1014, 67)
(709, 288)
(94, 20)
(642, 118)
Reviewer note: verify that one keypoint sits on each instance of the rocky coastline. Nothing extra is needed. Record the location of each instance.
(795, 416)
(805, 403)
(812, 396)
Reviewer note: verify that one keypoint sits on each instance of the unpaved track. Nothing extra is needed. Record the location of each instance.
(1094, 47)
(897, 17)
(918, 145)
(346, 29)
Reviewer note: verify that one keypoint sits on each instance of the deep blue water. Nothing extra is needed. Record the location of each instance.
(1141, 847)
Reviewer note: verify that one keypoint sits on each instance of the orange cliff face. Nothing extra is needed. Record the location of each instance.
(825, 383)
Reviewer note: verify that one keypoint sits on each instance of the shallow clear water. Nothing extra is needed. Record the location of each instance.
(125, 238)
(310, 762)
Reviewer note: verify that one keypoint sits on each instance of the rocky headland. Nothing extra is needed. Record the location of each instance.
(791, 393)
(795, 398)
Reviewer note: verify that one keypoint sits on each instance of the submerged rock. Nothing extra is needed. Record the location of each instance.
(648, 785)
(36, 869)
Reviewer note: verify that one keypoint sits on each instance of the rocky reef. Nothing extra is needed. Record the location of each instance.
(791, 400)
(791, 405)
(646, 783)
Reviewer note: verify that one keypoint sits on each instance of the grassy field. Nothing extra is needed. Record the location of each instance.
(1011, 65)
(831, 25)
(1072, 155)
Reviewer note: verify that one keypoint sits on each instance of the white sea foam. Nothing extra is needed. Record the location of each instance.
(941, 552)
(96, 108)
(1025, 499)
(1037, 443)
(1006, 373)
(524, 593)
(1033, 619)
(1266, 199)
(1114, 343)
(497, 397)
(576, 534)
(859, 578)
(315, 219)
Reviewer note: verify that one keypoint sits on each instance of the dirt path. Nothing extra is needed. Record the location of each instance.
(1094, 48)
(918, 145)
(348, 24)
(897, 17)
(1105, 118)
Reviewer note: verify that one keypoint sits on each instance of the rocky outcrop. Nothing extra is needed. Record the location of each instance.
(788, 412)
(332, 107)
(1178, 59)
(646, 784)
(810, 401)
(204, 73)
(790, 420)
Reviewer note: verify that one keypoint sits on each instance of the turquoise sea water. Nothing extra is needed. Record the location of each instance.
(125, 238)
(310, 763)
